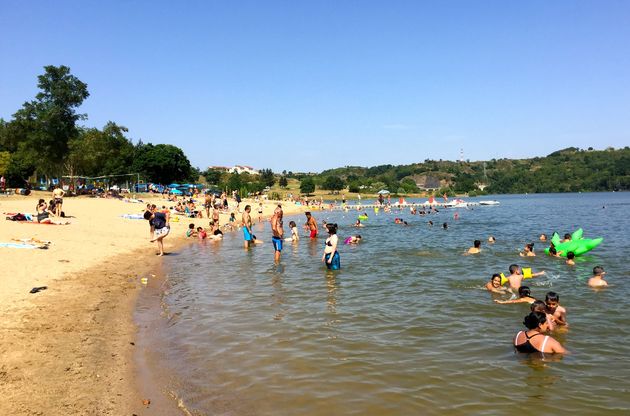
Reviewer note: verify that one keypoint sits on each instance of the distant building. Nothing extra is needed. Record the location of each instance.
(244, 169)
(236, 169)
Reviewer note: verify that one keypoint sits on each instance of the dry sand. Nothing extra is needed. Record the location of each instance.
(68, 350)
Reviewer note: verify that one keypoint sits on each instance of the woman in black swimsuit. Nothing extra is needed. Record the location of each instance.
(534, 340)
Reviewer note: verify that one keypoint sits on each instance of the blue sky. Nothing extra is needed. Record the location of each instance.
(311, 85)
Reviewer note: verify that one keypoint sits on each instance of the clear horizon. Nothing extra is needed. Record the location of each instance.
(308, 87)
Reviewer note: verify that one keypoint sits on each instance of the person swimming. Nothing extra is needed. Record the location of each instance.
(495, 286)
(524, 296)
(353, 239)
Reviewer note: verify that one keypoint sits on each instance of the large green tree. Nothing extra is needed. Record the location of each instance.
(307, 185)
(97, 152)
(333, 183)
(161, 163)
(267, 177)
(43, 127)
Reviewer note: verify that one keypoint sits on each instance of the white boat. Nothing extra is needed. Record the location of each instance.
(457, 203)
(489, 202)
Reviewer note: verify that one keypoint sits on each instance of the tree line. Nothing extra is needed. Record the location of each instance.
(44, 137)
(567, 170)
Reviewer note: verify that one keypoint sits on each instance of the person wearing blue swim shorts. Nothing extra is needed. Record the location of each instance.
(277, 232)
(246, 222)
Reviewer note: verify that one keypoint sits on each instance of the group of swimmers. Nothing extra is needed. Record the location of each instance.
(544, 316)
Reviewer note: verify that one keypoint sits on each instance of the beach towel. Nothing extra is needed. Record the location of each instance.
(133, 216)
(23, 245)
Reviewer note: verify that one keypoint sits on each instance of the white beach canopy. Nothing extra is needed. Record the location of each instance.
(383, 192)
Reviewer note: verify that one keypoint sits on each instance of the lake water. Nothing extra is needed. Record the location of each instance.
(405, 327)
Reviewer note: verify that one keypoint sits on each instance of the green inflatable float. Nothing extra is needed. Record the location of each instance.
(362, 217)
(577, 245)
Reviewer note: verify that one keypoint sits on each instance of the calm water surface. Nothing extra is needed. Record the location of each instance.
(405, 327)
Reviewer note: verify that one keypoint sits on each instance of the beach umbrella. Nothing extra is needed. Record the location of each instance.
(176, 192)
(174, 185)
(383, 192)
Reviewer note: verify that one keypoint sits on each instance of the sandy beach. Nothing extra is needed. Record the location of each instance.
(69, 349)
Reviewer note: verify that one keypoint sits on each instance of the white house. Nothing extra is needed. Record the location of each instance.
(245, 169)
(236, 169)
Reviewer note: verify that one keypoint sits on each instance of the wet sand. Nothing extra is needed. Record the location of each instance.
(70, 349)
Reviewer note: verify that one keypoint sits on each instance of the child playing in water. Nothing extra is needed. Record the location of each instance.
(494, 285)
(598, 277)
(559, 313)
(539, 306)
(201, 233)
(358, 224)
(529, 251)
(294, 232)
(491, 240)
(523, 297)
(353, 239)
(191, 231)
(570, 258)
(553, 252)
(516, 276)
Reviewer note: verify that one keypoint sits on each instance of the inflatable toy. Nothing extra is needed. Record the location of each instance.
(362, 217)
(577, 245)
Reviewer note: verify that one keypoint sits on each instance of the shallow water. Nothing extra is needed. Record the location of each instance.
(405, 327)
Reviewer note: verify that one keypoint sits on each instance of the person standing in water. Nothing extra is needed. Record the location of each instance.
(331, 255)
(160, 222)
(476, 248)
(598, 277)
(278, 233)
(533, 340)
(311, 224)
(246, 222)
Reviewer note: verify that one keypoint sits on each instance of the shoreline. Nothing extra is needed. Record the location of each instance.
(71, 349)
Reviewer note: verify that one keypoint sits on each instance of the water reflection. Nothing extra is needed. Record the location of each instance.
(331, 286)
(279, 295)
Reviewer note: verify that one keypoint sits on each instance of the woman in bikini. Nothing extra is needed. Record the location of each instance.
(43, 215)
(534, 340)
(331, 255)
